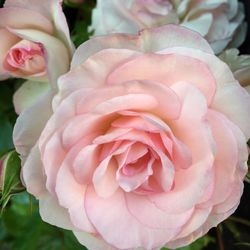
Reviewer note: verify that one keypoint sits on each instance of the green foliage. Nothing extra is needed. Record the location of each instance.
(7, 117)
(22, 229)
(10, 177)
(80, 32)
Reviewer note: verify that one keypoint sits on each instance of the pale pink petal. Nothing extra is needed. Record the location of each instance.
(150, 215)
(71, 195)
(197, 219)
(7, 41)
(112, 135)
(234, 102)
(104, 180)
(135, 152)
(85, 163)
(160, 38)
(147, 41)
(134, 122)
(130, 183)
(164, 172)
(191, 128)
(226, 156)
(92, 242)
(171, 68)
(200, 24)
(83, 125)
(28, 94)
(128, 233)
(180, 153)
(186, 190)
(232, 202)
(28, 127)
(27, 19)
(52, 155)
(47, 207)
(33, 174)
(237, 108)
(143, 101)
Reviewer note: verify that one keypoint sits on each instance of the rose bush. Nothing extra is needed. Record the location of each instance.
(146, 143)
(219, 21)
(35, 44)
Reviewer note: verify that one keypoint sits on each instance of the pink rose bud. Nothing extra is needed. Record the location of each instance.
(35, 45)
(33, 34)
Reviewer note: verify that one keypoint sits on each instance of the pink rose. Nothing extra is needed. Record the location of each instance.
(146, 146)
(35, 44)
(29, 30)
(219, 21)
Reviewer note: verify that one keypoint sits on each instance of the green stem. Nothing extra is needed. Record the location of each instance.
(219, 238)
(240, 220)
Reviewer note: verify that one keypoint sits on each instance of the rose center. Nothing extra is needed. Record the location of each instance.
(25, 58)
(146, 155)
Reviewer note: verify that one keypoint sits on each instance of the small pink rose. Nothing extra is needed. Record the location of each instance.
(146, 146)
(35, 45)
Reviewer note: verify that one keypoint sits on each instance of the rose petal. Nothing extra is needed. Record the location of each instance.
(28, 128)
(74, 200)
(147, 41)
(28, 94)
(47, 207)
(129, 232)
(33, 174)
(150, 215)
(170, 69)
(27, 19)
(104, 180)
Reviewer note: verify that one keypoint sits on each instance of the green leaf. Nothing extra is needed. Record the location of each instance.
(243, 244)
(26, 231)
(80, 32)
(5, 135)
(10, 177)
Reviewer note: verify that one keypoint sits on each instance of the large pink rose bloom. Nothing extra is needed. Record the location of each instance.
(219, 21)
(146, 146)
(35, 45)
